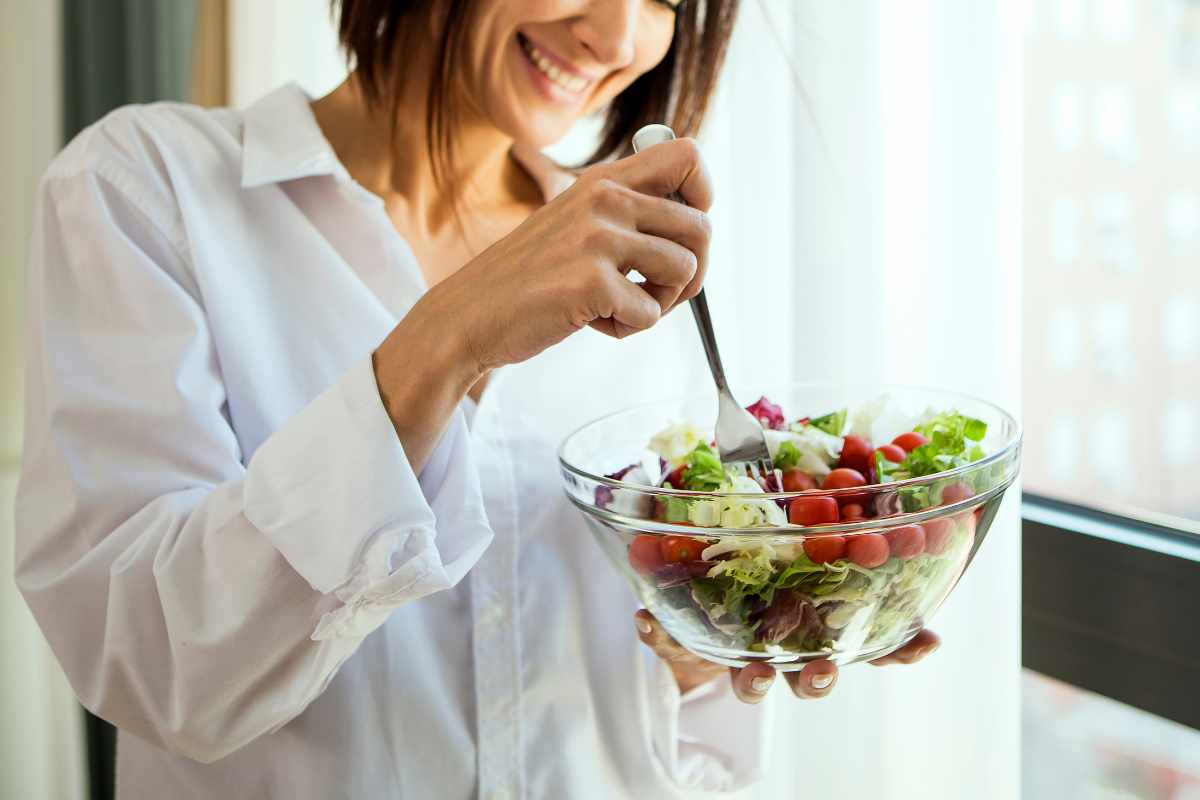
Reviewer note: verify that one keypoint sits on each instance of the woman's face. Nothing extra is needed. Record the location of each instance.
(537, 66)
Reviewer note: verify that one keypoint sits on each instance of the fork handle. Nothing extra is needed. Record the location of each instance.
(649, 136)
(699, 306)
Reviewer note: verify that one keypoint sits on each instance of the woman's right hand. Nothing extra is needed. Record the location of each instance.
(565, 266)
(562, 269)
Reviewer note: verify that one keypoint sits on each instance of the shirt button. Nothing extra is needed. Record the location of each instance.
(493, 614)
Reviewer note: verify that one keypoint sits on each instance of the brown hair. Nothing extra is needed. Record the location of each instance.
(374, 33)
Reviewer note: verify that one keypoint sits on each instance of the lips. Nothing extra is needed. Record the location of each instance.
(561, 78)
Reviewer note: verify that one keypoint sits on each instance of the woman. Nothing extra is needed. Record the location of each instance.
(268, 437)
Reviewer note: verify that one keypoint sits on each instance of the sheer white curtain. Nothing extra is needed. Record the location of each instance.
(41, 727)
(885, 210)
(867, 230)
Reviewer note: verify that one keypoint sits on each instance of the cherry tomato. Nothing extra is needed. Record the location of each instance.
(856, 453)
(645, 554)
(867, 549)
(937, 534)
(956, 492)
(909, 441)
(906, 541)
(675, 478)
(796, 480)
(891, 452)
(813, 510)
(822, 549)
(843, 478)
(852, 511)
(681, 549)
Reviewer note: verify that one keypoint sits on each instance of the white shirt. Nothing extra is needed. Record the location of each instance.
(221, 537)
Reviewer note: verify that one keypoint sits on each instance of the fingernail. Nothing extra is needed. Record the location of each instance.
(643, 625)
(927, 650)
(761, 685)
(821, 681)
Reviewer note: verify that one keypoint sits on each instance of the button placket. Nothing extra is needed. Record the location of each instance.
(494, 618)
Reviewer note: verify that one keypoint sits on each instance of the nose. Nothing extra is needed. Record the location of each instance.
(608, 29)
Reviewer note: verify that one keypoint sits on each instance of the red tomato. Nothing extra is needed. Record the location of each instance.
(843, 478)
(906, 541)
(856, 453)
(937, 534)
(867, 549)
(909, 441)
(852, 511)
(822, 549)
(645, 554)
(680, 548)
(795, 480)
(813, 510)
(956, 492)
(891, 452)
(676, 477)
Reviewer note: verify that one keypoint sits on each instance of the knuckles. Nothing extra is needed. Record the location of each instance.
(606, 196)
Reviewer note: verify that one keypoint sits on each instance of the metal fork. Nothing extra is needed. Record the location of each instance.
(740, 439)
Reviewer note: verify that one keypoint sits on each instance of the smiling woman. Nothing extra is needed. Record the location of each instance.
(642, 62)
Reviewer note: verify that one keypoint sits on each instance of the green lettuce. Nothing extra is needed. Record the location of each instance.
(787, 456)
(953, 442)
(704, 472)
(833, 423)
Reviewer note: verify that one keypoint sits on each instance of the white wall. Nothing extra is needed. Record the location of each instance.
(41, 745)
(275, 41)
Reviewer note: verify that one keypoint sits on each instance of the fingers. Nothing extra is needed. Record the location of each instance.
(921, 645)
(667, 266)
(817, 679)
(689, 669)
(622, 307)
(681, 224)
(658, 640)
(751, 683)
(673, 166)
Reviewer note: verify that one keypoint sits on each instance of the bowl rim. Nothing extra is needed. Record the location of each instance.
(1009, 447)
(873, 525)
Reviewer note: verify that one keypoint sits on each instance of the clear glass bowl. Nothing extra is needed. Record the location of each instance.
(852, 608)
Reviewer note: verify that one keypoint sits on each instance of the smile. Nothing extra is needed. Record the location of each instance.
(559, 77)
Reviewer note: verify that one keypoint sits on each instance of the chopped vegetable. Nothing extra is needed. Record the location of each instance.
(769, 414)
(833, 424)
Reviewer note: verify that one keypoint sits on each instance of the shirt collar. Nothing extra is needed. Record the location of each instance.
(281, 140)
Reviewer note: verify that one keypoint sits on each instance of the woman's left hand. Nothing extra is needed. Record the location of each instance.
(751, 683)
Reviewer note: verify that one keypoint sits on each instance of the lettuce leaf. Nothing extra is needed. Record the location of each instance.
(787, 456)
(833, 423)
(953, 442)
(704, 472)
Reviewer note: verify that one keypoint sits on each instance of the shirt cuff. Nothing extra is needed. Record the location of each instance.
(334, 492)
(708, 741)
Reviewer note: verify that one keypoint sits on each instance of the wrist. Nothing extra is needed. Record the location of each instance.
(423, 369)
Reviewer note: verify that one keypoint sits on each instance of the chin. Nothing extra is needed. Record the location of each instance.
(540, 134)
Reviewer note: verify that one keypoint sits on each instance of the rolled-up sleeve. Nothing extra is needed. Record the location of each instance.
(193, 600)
(356, 477)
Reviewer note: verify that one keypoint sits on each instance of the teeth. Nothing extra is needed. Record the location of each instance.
(572, 83)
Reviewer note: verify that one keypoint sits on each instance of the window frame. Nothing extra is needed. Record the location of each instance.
(1110, 604)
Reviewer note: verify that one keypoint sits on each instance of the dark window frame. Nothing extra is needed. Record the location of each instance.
(1111, 604)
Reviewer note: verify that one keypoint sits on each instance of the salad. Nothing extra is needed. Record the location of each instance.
(824, 592)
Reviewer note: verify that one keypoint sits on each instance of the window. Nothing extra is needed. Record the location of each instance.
(1111, 395)
(1112, 250)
